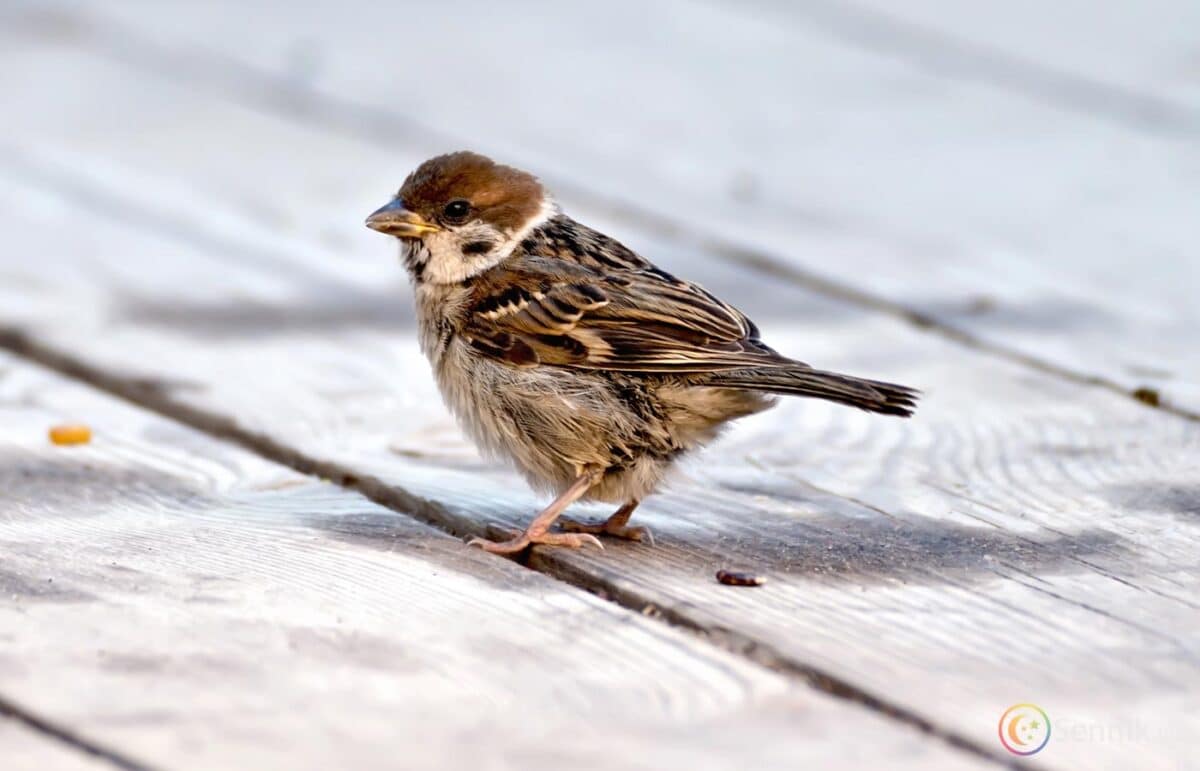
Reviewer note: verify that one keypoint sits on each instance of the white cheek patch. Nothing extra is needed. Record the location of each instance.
(447, 263)
(488, 247)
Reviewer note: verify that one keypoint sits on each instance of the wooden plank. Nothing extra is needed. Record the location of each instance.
(1024, 539)
(1037, 229)
(199, 607)
(1023, 535)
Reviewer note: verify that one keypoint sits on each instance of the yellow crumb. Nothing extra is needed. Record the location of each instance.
(70, 434)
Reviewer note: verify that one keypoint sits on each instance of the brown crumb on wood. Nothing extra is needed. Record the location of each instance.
(738, 578)
(1147, 395)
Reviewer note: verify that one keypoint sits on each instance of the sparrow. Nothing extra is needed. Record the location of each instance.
(565, 352)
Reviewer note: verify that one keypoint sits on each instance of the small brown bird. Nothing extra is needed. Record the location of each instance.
(562, 350)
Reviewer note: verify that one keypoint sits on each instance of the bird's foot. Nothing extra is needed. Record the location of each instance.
(608, 527)
(521, 541)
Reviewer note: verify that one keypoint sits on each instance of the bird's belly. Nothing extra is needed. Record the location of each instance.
(553, 424)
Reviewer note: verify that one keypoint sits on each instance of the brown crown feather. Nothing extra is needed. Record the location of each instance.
(504, 196)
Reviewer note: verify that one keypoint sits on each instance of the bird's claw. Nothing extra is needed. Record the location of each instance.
(524, 540)
(636, 533)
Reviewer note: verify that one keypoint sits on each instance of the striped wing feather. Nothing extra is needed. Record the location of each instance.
(642, 320)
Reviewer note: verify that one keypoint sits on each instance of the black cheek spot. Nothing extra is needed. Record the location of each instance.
(478, 247)
(416, 267)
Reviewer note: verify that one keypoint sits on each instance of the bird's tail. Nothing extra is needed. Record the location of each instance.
(869, 395)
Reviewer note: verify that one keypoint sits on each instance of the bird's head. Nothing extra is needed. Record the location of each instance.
(459, 214)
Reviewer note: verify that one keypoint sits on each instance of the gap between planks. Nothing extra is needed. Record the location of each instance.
(149, 397)
(69, 738)
(246, 85)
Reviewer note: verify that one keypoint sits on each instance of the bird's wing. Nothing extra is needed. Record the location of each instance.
(637, 320)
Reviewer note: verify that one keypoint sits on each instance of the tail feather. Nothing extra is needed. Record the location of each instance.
(869, 395)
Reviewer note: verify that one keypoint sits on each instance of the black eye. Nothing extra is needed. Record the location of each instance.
(457, 210)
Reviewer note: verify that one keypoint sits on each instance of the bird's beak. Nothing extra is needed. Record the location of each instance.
(395, 220)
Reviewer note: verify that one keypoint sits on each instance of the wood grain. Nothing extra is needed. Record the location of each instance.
(1017, 218)
(203, 608)
(1023, 539)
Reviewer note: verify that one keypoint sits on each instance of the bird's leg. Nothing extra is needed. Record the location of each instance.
(538, 530)
(616, 525)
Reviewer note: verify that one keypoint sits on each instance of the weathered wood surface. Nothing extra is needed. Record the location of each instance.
(23, 749)
(1025, 539)
(1036, 219)
(194, 606)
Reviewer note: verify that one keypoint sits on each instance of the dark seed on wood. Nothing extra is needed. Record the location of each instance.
(738, 578)
(1147, 396)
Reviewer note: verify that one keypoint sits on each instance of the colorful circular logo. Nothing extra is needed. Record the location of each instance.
(1024, 729)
